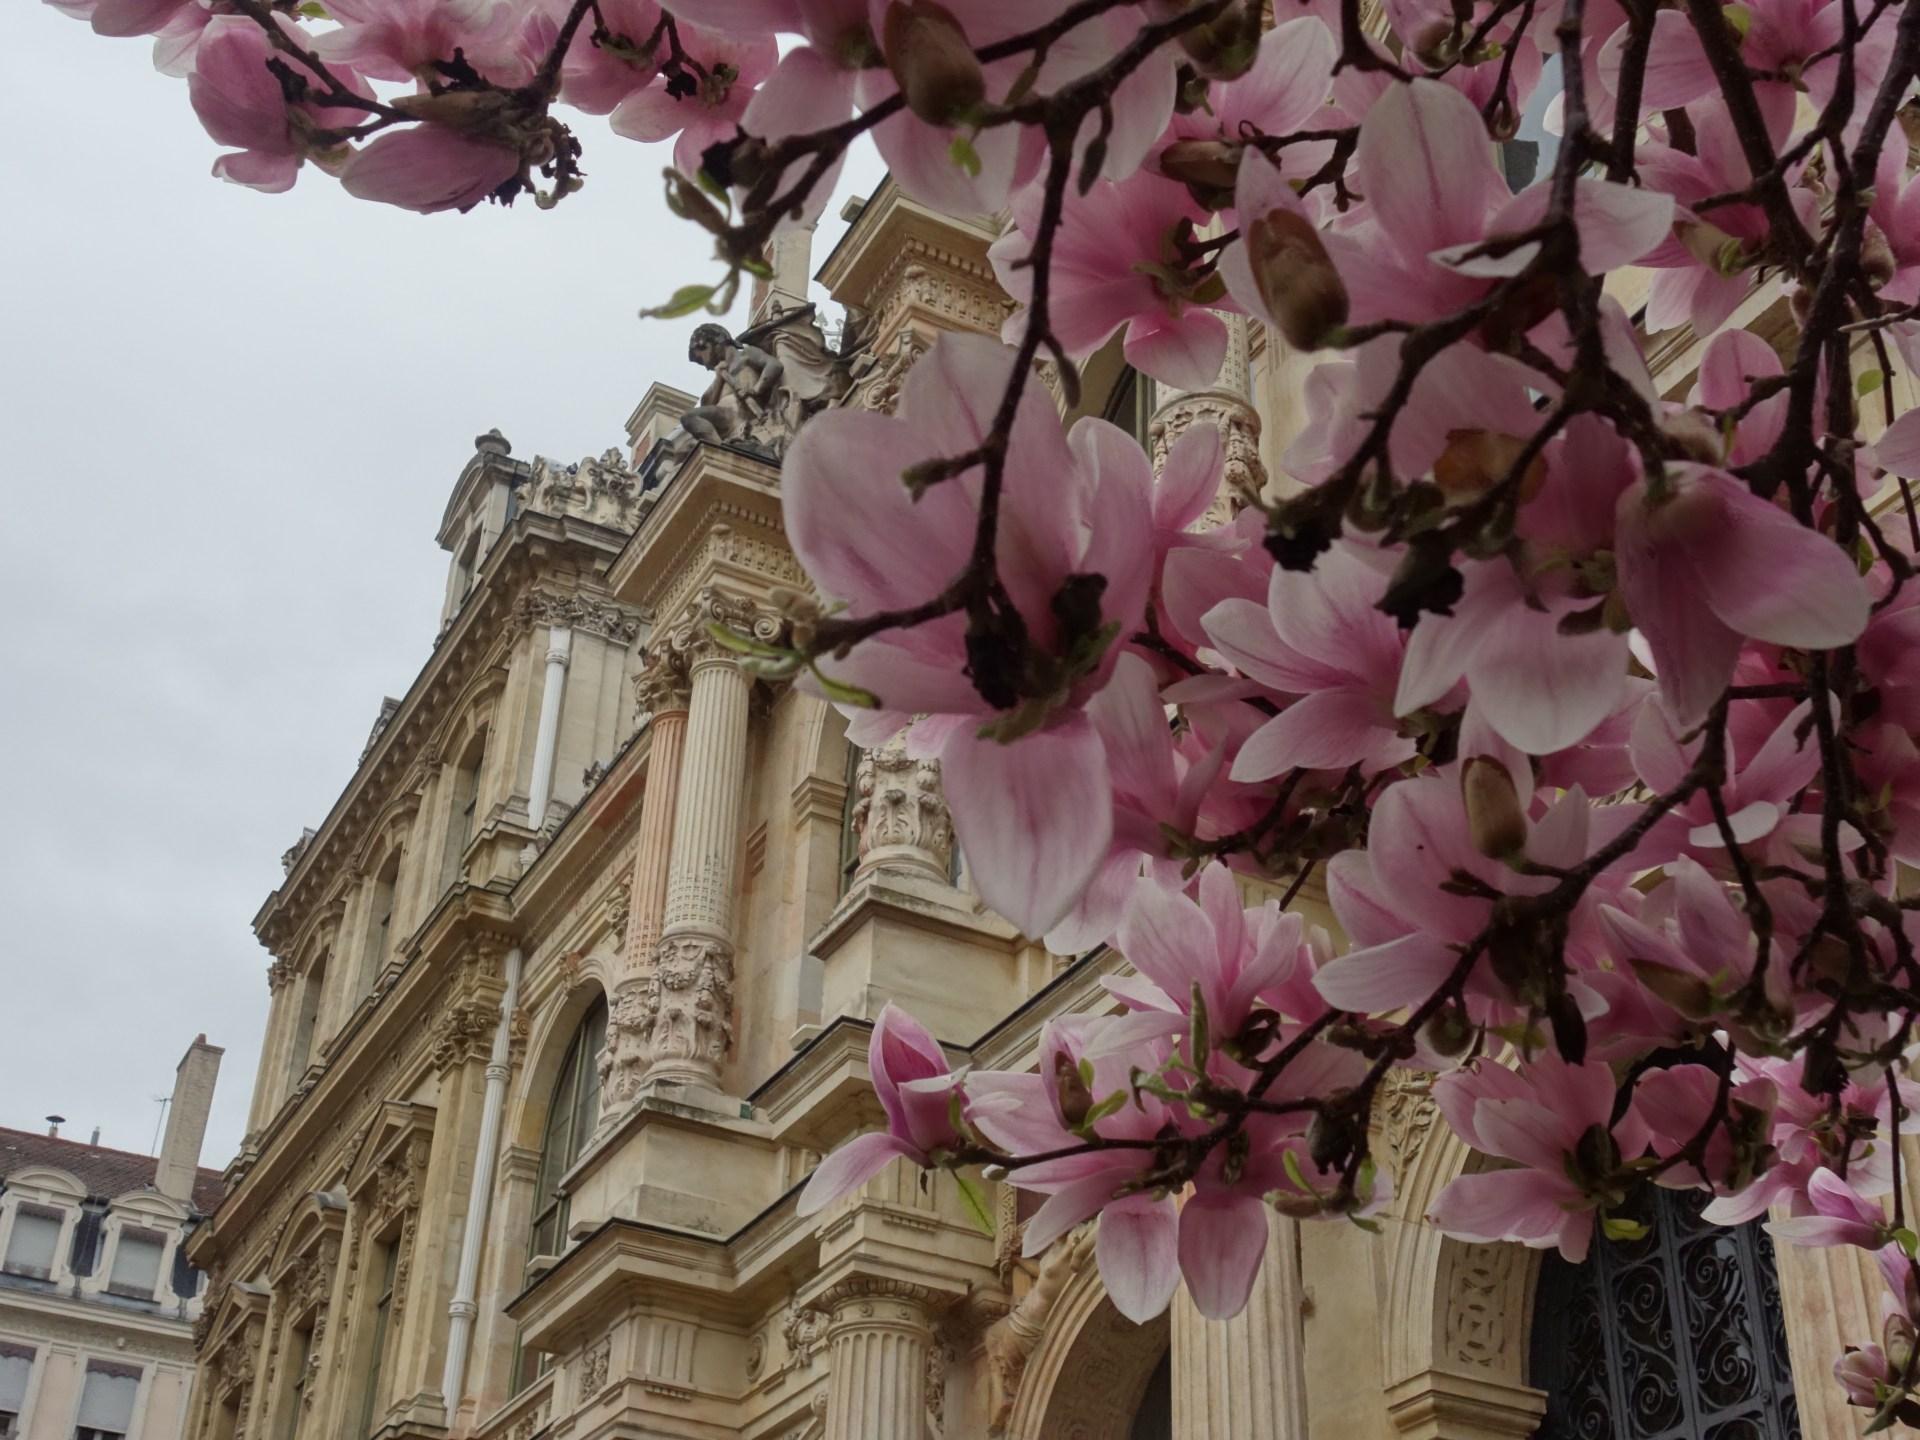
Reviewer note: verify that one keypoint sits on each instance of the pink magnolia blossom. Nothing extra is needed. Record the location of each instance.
(597, 75)
(1280, 94)
(1838, 1216)
(1117, 262)
(242, 103)
(1034, 815)
(1705, 563)
(429, 167)
(911, 1079)
(734, 66)
(1555, 1121)
(402, 39)
(1322, 638)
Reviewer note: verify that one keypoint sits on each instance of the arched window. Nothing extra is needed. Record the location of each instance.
(464, 820)
(1675, 1336)
(1154, 1419)
(306, 1036)
(380, 932)
(571, 1115)
(1130, 406)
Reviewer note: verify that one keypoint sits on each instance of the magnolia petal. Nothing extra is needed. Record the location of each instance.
(1772, 578)
(1386, 976)
(1223, 1239)
(1185, 350)
(850, 1167)
(1138, 1252)
(1034, 818)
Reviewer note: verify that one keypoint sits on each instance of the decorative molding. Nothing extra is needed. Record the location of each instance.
(900, 812)
(585, 613)
(683, 1005)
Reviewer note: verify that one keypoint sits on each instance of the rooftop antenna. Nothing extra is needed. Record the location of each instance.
(162, 1101)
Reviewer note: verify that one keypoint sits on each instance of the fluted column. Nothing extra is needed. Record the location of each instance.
(1245, 1376)
(1227, 404)
(687, 1007)
(879, 1336)
(661, 690)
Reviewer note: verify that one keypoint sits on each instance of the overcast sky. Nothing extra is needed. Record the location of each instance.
(232, 422)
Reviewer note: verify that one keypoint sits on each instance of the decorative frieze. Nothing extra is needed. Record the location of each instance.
(584, 613)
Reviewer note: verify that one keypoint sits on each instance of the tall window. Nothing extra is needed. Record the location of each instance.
(1675, 1336)
(299, 1353)
(379, 923)
(36, 1234)
(106, 1401)
(386, 1258)
(306, 1038)
(16, 1368)
(850, 832)
(571, 1116)
(136, 1263)
(466, 796)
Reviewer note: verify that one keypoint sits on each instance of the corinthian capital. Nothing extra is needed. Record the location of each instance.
(660, 681)
(691, 635)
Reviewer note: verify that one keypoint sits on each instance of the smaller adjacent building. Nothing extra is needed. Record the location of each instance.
(98, 1301)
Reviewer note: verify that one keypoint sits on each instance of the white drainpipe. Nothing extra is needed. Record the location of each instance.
(546, 739)
(461, 1310)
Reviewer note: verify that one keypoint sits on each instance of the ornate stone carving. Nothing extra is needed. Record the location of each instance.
(686, 1001)
(900, 812)
(593, 1369)
(464, 1033)
(1475, 1329)
(1011, 1342)
(599, 488)
(619, 909)
(939, 1359)
(584, 613)
(660, 680)
(278, 974)
(878, 377)
(1239, 425)
(290, 857)
(1406, 1112)
(805, 1331)
(691, 635)
(623, 1064)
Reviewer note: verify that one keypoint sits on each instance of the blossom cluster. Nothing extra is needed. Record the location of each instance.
(1585, 695)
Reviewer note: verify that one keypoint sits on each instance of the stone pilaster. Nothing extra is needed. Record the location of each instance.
(687, 1000)
(1227, 405)
(900, 813)
(1246, 1376)
(660, 689)
(879, 1343)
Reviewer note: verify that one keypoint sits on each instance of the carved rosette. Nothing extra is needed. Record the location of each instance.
(900, 812)
(683, 1013)
(1239, 425)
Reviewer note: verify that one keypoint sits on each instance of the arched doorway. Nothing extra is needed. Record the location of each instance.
(1095, 1373)
(1677, 1335)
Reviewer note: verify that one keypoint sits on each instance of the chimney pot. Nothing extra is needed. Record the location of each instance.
(54, 1122)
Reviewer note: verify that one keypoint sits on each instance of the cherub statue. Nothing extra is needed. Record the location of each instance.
(745, 387)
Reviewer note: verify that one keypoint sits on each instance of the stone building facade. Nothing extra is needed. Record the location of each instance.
(573, 986)
(98, 1298)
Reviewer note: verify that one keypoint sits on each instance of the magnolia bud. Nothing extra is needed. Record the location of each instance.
(1876, 257)
(1897, 1337)
(1494, 818)
(1696, 434)
(1209, 164)
(1296, 278)
(1226, 47)
(1449, 1033)
(1476, 460)
(1712, 247)
(1070, 1090)
(933, 61)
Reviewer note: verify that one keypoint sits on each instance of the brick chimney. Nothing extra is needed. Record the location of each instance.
(187, 1120)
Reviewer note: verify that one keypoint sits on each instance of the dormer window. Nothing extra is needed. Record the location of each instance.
(136, 1263)
(33, 1241)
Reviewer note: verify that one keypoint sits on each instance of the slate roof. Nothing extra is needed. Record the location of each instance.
(106, 1173)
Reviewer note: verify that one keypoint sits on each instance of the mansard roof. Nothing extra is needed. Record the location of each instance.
(105, 1172)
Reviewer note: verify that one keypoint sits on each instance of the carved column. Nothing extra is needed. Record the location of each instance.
(688, 998)
(879, 1342)
(1246, 1376)
(1227, 405)
(900, 813)
(661, 689)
